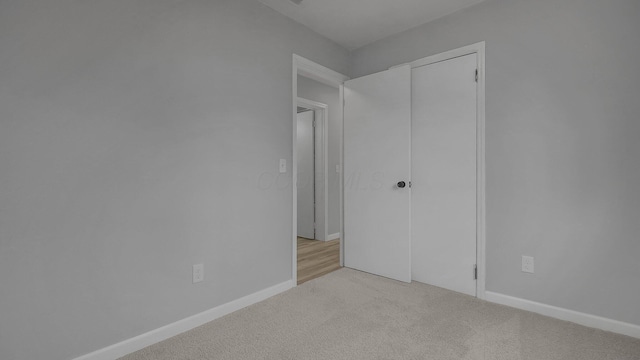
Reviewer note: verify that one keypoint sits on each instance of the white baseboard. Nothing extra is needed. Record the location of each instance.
(333, 236)
(565, 314)
(140, 342)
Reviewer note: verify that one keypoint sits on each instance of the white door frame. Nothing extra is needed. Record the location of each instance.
(321, 113)
(314, 71)
(479, 49)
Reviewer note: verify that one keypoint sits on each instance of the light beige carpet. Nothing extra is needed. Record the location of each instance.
(352, 315)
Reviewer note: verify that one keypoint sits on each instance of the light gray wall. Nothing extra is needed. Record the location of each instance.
(563, 173)
(316, 91)
(133, 135)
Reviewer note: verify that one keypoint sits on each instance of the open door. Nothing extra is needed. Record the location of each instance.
(306, 176)
(377, 173)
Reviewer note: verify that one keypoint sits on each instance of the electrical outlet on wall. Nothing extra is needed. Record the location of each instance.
(527, 264)
(198, 273)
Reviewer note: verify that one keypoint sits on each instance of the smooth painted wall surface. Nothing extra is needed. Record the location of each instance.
(562, 149)
(317, 91)
(139, 137)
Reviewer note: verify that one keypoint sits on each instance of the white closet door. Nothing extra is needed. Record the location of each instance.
(306, 166)
(377, 151)
(444, 126)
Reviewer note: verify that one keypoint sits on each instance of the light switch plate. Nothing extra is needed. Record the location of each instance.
(283, 166)
(527, 264)
(198, 273)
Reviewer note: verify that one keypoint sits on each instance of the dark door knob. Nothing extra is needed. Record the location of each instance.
(401, 184)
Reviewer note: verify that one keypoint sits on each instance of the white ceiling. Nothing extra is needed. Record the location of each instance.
(355, 23)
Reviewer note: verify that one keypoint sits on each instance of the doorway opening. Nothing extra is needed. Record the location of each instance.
(318, 250)
(317, 170)
(309, 150)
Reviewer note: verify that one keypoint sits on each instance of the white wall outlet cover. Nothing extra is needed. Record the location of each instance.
(198, 273)
(338, 168)
(527, 264)
(283, 166)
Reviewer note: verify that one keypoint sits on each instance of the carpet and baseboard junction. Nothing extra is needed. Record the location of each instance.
(352, 315)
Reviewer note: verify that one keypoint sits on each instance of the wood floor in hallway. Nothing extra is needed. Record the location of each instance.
(317, 258)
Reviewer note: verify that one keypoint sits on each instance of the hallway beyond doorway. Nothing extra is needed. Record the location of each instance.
(317, 258)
